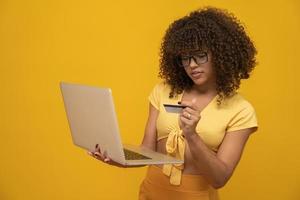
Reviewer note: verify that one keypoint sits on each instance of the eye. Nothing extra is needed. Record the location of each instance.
(201, 54)
(185, 57)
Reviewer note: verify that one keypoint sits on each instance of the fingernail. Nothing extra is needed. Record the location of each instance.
(106, 160)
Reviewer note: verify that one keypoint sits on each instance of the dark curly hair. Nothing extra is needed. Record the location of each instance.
(218, 31)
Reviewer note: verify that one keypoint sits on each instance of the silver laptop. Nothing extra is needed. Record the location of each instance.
(92, 120)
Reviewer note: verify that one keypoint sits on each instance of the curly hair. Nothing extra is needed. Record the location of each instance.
(218, 31)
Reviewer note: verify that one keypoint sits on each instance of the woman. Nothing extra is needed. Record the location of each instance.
(204, 56)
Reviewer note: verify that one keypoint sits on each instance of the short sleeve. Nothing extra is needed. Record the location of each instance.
(244, 118)
(155, 95)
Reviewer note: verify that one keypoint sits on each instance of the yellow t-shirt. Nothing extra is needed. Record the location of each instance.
(234, 113)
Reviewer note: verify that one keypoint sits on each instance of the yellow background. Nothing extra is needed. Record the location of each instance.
(116, 44)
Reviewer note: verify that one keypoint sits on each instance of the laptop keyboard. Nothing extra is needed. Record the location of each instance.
(131, 155)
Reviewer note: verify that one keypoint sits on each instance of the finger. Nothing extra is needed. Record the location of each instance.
(106, 158)
(186, 103)
(191, 115)
(99, 155)
(181, 117)
(186, 121)
(93, 155)
(191, 110)
(190, 104)
(105, 153)
(100, 151)
(186, 115)
(97, 148)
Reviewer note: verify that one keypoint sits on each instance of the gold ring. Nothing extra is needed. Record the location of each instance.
(189, 115)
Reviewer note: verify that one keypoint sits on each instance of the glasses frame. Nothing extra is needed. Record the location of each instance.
(179, 59)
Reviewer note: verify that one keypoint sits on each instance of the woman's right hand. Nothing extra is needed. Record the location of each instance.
(102, 156)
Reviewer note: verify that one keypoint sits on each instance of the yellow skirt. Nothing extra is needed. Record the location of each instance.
(157, 186)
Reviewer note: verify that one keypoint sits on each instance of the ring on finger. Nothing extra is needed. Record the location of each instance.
(189, 116)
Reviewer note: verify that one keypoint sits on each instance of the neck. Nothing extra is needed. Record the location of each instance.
(205, 89)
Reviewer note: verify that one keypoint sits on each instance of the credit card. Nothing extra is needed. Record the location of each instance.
(173, 108)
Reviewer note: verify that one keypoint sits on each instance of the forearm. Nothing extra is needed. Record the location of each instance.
(213, 169)
(149, 144)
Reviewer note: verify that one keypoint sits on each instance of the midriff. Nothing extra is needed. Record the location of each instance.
(189, 165)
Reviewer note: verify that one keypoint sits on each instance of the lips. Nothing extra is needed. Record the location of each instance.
(196, 74)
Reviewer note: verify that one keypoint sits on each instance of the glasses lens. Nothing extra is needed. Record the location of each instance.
(185, 61)
(200, 58)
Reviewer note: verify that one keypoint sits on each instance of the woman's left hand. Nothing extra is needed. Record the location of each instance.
(189, 118)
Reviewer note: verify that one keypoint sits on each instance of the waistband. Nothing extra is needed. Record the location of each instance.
(188, 182)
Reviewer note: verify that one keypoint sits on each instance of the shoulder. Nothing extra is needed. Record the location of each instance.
(162, 88)
(162, 85)
(159, 94)
(241, 113)
(236, 102)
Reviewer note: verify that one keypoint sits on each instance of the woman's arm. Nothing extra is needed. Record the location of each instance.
(149, 140)
(150, 134)
(218, 168)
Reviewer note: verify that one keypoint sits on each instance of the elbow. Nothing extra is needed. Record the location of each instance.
(218, 185)
(221, 179)
(220, 182)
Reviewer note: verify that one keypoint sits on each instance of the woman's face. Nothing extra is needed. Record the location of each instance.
(199, 68)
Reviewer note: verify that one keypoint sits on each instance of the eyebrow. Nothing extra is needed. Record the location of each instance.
(194, 53)
(199, 52)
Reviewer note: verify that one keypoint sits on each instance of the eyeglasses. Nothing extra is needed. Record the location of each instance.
(185, 60)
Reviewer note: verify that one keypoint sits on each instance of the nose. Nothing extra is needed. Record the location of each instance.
(193, 63)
